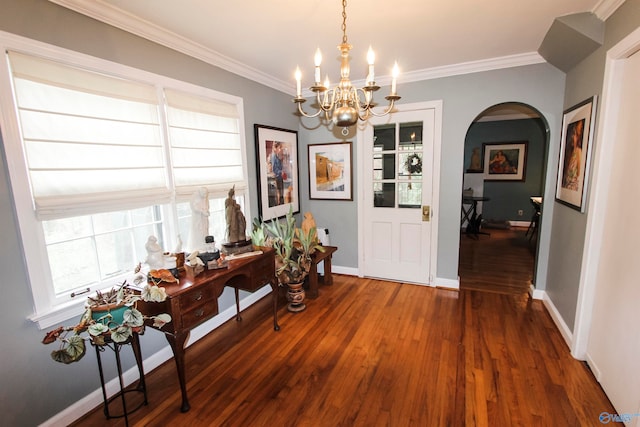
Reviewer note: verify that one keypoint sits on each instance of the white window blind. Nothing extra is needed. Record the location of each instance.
(89, 139)
(204, 135)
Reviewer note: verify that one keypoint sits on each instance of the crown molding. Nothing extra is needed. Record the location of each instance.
(605, 8)
(473, 67)
(104, 12)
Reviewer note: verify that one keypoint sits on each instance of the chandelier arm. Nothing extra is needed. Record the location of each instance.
(334, 93)
(301, 111)
(385, 112)
(366, 105)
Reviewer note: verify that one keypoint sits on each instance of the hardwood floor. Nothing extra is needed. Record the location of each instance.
(375, 353)
(502, 262)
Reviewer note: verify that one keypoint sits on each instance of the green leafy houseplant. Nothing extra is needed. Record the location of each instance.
(101, 328)
(292, 245)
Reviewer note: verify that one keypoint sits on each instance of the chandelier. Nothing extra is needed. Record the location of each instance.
(345, 104)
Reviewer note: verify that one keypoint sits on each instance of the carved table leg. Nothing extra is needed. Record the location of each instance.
(238, 318)
(177, 345)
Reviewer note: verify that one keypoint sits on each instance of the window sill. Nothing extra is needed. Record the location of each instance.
(58, 314)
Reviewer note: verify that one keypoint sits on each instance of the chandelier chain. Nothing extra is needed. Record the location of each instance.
(344, 21)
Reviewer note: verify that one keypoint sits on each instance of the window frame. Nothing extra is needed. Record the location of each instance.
(47, 311)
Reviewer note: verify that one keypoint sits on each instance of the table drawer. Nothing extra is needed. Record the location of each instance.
(263, 272)
(199, 314)
(196, 297)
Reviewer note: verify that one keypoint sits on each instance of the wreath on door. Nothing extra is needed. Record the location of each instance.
(413, 164)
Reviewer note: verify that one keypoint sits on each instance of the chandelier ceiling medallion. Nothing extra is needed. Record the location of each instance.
(344, 103)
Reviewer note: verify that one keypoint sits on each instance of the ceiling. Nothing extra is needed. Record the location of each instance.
(266, 40)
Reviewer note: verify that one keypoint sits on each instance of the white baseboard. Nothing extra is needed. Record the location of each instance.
(94, 399)
(594, 368)
(536, 293)
(447, 283)
(349, 271)
(558, 320)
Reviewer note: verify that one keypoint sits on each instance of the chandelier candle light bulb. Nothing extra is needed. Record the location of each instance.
(317, 59)
(394, 73)
(298, 77)
(371, 57)
(344, 104)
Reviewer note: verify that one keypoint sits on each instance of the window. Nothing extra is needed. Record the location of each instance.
(101, 160)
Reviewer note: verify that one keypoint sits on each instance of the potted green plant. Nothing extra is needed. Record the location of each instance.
(293, 249)
(108, 316)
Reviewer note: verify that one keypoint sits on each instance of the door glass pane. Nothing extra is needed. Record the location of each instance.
(384, 138)
(411, 136)
(397, 164)
(384, 195)
(410, 195)
(388, 166)
(410, 166)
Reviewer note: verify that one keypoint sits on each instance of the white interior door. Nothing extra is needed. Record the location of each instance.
(397, 192)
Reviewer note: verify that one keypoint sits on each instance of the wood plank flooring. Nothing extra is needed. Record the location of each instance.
(502, 262)
(375, 353)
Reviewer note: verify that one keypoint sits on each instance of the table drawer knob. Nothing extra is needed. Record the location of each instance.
(197, 297)
(199, 312)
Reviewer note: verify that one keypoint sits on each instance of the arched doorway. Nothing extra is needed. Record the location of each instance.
(502, 256)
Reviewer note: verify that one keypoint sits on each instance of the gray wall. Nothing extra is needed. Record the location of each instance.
(34, 388)
(464, 98)
(507, 197)
(569, 226)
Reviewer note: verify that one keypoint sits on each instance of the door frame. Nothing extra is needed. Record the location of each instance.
(600, 182)
(435, 201)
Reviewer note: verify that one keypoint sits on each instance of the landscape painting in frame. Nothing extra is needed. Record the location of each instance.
(278, 183)
(575, 144)
(505, 161)
(330, 174)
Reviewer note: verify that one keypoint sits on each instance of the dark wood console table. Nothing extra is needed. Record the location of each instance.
(316, 257)
(192, 302)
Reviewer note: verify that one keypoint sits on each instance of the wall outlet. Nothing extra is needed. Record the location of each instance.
(520, 212)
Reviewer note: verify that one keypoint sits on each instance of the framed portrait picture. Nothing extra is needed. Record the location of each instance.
(277, 168)
(330, 172)
(505, 161)
(575, 145)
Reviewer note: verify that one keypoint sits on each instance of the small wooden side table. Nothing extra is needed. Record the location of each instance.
(313, 271)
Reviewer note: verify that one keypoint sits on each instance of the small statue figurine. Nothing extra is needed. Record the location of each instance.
(199, 218)
(475, 165)
(236, 223)
(307, 224)
(155, 257)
